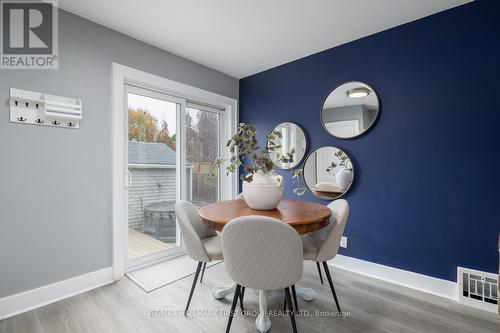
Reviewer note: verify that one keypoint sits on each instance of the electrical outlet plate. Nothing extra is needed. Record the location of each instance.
(343, 242)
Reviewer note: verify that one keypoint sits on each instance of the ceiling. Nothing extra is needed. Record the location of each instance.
(338, 97)
(244, 37)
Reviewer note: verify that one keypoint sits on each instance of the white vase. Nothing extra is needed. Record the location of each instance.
(343, 178)
(264, 192)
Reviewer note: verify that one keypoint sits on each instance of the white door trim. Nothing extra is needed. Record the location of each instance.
(355, 124)
(122, 75)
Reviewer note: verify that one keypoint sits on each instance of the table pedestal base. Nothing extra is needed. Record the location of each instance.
(223, 291)
(263, 322)
(307, 294)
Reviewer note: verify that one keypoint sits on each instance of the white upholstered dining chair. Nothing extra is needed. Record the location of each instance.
(202, 243)
(323, 245)
(262, 253)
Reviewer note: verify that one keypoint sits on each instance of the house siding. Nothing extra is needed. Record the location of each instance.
(152, 185)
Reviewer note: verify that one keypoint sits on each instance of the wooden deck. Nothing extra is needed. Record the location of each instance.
(140, 245)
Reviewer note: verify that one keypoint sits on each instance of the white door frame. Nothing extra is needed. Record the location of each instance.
(122, 75)
(355, 124)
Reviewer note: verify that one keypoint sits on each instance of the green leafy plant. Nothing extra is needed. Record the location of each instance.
(246, 152)
(274, 149)
(342, 161)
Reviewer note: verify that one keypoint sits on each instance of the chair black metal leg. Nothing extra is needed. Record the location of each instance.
(290, 307)
(329, 277)
(296, 304)
(193, 286)
(203, 271)
(233, 307)
(319, 271)
(242, 296)
(295, 298)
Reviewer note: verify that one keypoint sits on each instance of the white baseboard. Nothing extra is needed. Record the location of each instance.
(32, 299)
(420, 282)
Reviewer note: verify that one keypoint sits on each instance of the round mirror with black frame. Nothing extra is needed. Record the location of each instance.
(328, 173)
(350, 110)
(287, 144)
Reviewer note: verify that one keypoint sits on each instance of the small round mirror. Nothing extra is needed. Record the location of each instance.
(350, 110)
(287, 145)
(328, 173)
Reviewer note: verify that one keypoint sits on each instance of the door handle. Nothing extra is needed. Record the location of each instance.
(128, 179)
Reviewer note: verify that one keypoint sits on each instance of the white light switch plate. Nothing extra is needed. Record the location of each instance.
(343, 242)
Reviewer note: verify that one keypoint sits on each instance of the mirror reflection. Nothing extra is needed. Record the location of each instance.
(289, 145)
(350, 110)
(328, 173)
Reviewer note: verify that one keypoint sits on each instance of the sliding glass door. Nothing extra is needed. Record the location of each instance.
(170, 144)
(153, 172)
(165, 134)
(202, 147)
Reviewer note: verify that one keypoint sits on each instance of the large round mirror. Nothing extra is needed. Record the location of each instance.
(328, 173)
(287, 145)
(350, 110)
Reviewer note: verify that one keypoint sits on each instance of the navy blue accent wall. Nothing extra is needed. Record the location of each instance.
(427, 191)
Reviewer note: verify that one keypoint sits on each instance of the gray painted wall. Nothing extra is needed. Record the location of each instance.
(341, 113)
(55, 184)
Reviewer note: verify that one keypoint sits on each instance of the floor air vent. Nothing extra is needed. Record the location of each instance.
(478, 289)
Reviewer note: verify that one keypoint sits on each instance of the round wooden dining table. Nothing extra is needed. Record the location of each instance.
(303, 216)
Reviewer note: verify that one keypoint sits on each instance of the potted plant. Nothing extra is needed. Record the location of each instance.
(262, 187)
(341, 169)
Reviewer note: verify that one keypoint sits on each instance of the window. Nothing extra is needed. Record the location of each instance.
(202, 147)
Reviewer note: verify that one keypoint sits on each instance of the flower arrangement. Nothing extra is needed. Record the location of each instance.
(246, 153)
(342, 161)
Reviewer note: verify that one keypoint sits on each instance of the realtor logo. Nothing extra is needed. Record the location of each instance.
(29, 38)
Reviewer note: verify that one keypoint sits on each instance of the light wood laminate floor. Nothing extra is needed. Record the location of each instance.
(373, 306)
